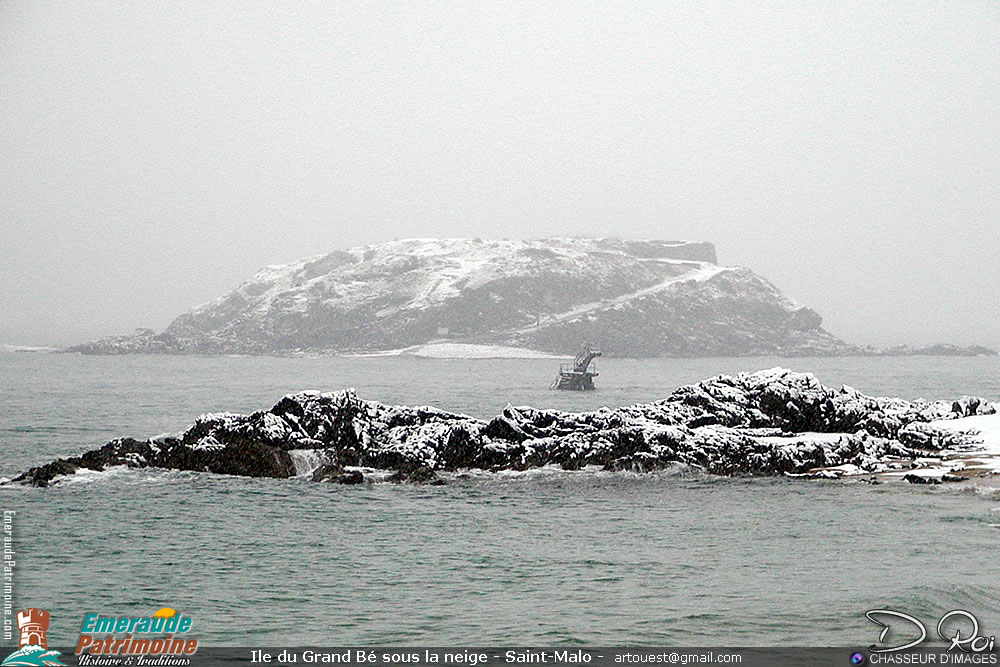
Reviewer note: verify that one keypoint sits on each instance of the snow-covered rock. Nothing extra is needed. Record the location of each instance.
(764, 423)
(636, 298)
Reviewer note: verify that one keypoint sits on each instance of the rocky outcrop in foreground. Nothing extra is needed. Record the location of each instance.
(765, 423)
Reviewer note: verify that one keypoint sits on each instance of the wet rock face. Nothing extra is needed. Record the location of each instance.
(762, 423)
(241, 456)
(417, 474)
(336, 474)
(918, 479)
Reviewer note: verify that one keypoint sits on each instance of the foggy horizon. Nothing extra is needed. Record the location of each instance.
(156, 157)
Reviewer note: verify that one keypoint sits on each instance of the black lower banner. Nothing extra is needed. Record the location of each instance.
(478, 657)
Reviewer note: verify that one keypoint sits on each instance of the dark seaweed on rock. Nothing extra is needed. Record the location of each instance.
(748, 424)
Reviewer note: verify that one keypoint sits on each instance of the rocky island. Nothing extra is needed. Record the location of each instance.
(636, 298)
(773, 422)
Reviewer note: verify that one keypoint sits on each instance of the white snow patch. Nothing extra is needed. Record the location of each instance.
(831, 472)
(804, 437)
(463, 351)
(983, 428)
(29, 348)
(701, 272)
(207, 444)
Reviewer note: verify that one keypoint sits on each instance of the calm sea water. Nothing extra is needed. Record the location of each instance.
(538, 558)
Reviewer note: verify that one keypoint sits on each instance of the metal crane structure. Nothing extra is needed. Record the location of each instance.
(578, 376)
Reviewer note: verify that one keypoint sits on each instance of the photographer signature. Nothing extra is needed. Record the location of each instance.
(971, 642)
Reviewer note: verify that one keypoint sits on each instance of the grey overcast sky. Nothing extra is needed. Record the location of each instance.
(155, 154)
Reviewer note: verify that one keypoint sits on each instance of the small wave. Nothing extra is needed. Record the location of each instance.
(541, 472)
(87, 476)
(974, 488)
(935, 600)
(555, 472)
(122, 475)
(374, 475)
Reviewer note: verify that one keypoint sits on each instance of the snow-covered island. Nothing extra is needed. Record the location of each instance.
(636, 298)
(773, 422)
(504, 298)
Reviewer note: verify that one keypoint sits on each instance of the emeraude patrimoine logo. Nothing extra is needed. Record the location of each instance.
(119, 635)
(32, 645)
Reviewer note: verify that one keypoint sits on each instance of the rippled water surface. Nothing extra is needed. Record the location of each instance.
(546, 557)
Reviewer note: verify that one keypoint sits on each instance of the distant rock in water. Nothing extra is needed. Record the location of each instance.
(940, 350)
(636, 298)
(764, 423)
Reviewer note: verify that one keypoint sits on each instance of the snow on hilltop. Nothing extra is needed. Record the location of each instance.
(635, 298)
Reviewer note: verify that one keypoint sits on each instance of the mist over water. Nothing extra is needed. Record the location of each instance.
(155, 156)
